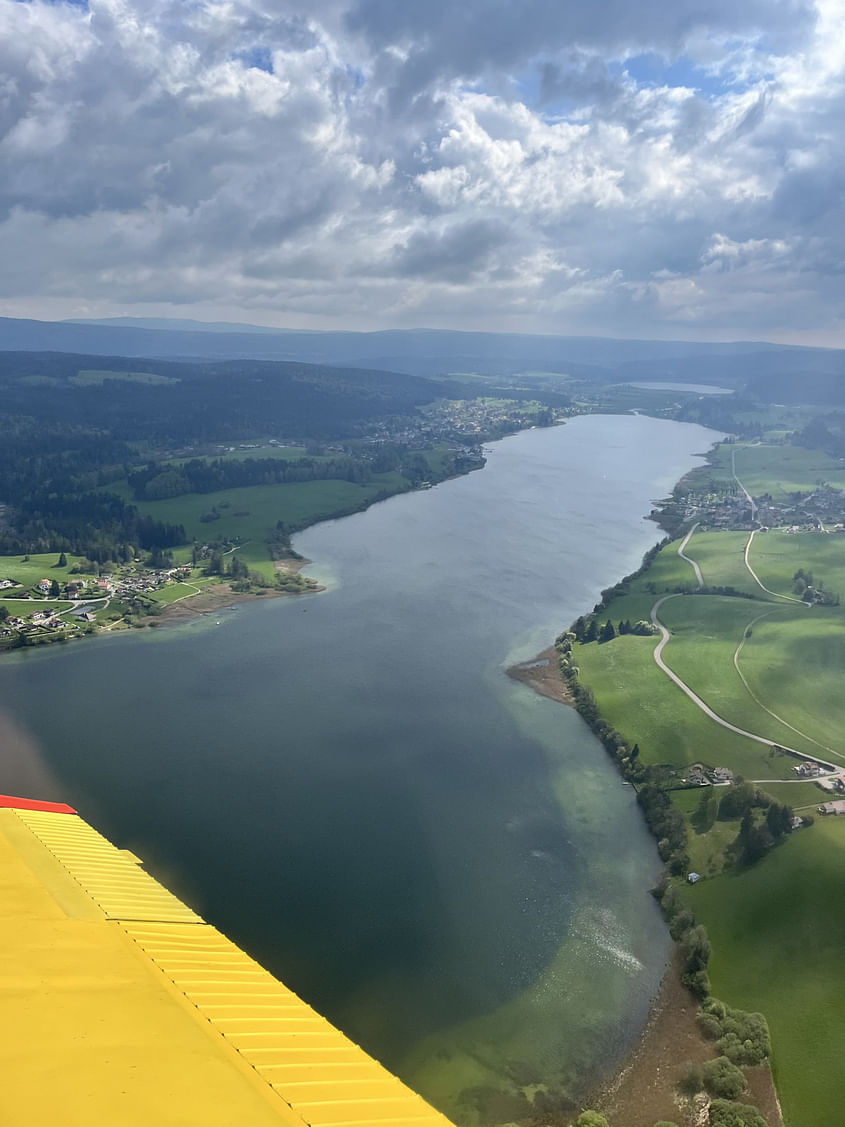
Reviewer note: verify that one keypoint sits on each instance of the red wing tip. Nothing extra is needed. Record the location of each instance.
(10, 802)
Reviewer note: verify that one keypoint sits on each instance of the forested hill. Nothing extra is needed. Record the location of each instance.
(72, 424)
(161, 401)
(426, 352)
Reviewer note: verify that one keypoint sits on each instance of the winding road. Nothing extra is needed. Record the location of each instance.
(705, 708)
(691, 562)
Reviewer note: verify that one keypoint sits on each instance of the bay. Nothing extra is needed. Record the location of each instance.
(350, 787)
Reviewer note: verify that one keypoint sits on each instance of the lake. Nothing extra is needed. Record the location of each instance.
(347, 784)
(690, 388)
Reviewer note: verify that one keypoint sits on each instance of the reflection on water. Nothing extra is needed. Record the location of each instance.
(24, 771)
(348, 785)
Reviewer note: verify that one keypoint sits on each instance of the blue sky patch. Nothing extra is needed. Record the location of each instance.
(652, 69)
(257, 57)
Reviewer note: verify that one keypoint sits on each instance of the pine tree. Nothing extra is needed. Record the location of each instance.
(608, 632)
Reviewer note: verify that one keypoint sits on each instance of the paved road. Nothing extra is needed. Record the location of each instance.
(683, 556)
(751, 571)
(757, 580)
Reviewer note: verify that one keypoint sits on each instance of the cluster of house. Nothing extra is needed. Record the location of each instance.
(700, 776)
(719, 510)
(835, 807)
(808, 513)
(33, 623)
(808, 769)
(146, 581)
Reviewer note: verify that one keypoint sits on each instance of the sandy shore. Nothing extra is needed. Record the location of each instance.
(542, 674)
(646, 1088)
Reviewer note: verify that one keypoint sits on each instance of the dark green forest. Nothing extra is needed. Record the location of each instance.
(72, 426)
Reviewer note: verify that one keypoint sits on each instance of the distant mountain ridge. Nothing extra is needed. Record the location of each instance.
(425, 352)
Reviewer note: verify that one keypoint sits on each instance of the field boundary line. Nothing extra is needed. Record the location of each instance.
(757, 700)
(705, 708)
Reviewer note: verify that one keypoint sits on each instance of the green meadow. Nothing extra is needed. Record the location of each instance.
(775, 469)
(777, 555)
(29, 570)
(796, 661)
(172, 592)
(251, 512)
(778, 932)
(721, 557)
(641, 702)
(24, 609)
(777, 927)
(706, 631)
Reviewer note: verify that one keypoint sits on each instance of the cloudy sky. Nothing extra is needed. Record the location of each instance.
(667, 169)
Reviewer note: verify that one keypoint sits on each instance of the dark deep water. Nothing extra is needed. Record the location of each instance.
(349, 786)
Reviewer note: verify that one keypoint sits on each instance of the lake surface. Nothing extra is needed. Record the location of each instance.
(692, 388)
(348, 785)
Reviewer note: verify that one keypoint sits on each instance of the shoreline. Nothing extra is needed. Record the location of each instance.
(220, 596)
(643, 1087)
(542, 674)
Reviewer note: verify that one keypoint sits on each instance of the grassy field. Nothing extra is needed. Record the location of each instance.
(779, 470)
(801, 796)
(706, 850)
(251, 512)
(721, 557)
(172, 592)
(30, 570)
(21, 609)
(777, 927)
(706, 631)
(640, 701)
(778, 932)
(776, 556)
(797, 660)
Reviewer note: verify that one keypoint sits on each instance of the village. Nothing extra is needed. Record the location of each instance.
(86, 599)
(822, 510)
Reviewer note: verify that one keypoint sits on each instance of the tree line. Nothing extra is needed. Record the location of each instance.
(155, 482)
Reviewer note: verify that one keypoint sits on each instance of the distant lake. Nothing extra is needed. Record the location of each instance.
(692, 388)
(348, 785)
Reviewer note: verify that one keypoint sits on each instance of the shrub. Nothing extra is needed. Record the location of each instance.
(692, 1080)
(680, 923)
(726, 1114)
(591, 1119)
(710, 1026)
(741, 1037)
(723, 1079)
(697, 982)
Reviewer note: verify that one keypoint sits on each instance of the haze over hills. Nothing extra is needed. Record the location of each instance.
(432, 352)
(184, 324)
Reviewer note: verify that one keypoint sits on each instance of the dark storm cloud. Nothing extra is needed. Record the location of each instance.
(453, 255)
(445, 39)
